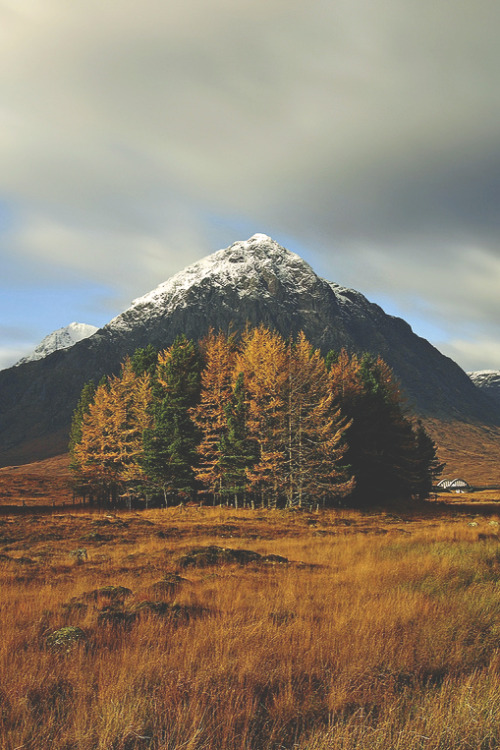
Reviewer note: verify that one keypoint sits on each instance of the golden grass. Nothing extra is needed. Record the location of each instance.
(383, 631)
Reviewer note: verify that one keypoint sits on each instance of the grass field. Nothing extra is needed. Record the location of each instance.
(381, 630)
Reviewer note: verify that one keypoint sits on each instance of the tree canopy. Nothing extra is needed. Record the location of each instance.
(260, 419)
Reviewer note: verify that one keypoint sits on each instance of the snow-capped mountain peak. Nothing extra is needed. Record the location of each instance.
(63, 338)
(241, 260)
(256, 267)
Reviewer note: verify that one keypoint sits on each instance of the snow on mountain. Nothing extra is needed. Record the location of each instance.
(63, 338)
(488, 381)
(252, 267)
(485, 378)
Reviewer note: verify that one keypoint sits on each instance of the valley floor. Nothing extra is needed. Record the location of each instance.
(313, 631)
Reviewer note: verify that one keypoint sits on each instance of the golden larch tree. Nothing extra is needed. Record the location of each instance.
(110, 450)
(211, 414)
(263, 362)
(316, 429)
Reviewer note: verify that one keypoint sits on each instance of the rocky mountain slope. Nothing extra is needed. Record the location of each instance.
(63, 338)
(488, 381)
(249, 282)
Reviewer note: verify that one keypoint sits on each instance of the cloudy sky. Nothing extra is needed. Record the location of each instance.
(139, 136)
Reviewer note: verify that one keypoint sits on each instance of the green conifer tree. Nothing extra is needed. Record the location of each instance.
(170, 445)
(237, 452)
(427, 464)
(145, 360)
(381, 442)
(86, 398)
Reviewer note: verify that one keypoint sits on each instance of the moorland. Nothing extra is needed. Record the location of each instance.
(203, 628)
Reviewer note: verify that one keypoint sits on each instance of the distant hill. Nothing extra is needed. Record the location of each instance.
(488, 381)
(63, 338)
(255, 281)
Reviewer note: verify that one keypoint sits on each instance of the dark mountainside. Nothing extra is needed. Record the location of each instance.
(489, 382)
(256, 282)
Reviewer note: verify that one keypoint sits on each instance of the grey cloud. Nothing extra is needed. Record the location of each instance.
(476, 354)
(137, 135)
(9, 356)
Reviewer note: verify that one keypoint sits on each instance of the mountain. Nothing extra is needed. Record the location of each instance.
(488, 381)
(253, 281)
(63, 338)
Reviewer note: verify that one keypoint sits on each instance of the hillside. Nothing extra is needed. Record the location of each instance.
(250, 282)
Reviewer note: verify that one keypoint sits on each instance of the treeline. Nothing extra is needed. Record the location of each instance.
(259, 420)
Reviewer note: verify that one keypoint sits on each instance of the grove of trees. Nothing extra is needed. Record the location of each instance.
(255, 420)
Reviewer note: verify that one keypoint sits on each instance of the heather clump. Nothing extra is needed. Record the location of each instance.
(65, 638)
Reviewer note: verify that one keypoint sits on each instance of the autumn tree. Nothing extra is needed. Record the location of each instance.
(315, 429)
(210, 415)
(263, 363)
(268, 417)
(292, 419)
(108, 457)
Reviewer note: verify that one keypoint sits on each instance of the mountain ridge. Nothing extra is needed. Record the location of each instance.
(62, 338)
(488, 381)
(251, 282)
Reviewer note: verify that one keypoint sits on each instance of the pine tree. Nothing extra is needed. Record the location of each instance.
(236, 449)
(381, 452)
(145, 360)
(427, 465)
(86, 398)
(170, 444)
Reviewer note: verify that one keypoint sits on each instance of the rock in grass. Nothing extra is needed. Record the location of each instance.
(202, 557)
(275, 559)
(282, 617)
(79, 555)
(176, 612)
(117, 616)
(109, 592)
(65, 638)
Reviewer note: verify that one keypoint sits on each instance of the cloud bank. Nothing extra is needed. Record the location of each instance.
(138, 137)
